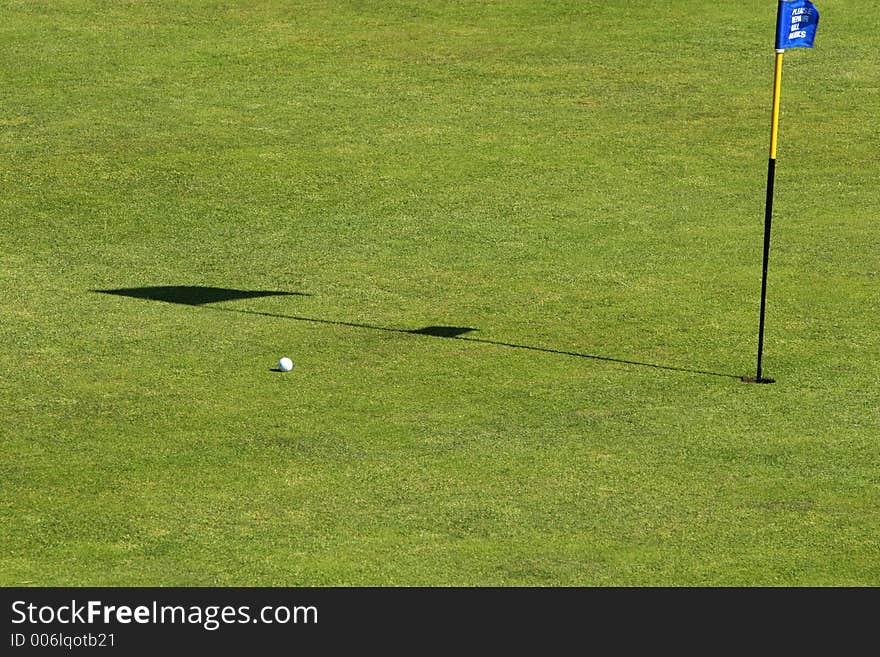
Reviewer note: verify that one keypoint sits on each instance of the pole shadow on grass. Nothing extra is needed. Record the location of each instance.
(202, 296)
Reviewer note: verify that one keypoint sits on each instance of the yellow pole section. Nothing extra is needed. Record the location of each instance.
(777, 92)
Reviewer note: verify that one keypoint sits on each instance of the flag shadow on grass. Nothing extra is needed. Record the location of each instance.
(194, 295)
(202, 296)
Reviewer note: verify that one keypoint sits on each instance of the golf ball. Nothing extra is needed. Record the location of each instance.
(285, 364)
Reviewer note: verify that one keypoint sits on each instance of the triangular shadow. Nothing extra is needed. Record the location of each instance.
(194, 295)
(443, 331)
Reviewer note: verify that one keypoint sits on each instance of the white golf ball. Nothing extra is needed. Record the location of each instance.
(285, 364)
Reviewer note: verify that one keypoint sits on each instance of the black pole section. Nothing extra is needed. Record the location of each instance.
(768, 216)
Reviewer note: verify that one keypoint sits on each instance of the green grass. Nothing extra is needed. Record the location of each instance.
(583, 183)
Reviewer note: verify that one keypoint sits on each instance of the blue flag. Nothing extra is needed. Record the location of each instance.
(796, 23)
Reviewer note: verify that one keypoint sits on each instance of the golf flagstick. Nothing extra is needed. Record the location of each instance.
(796, 23)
